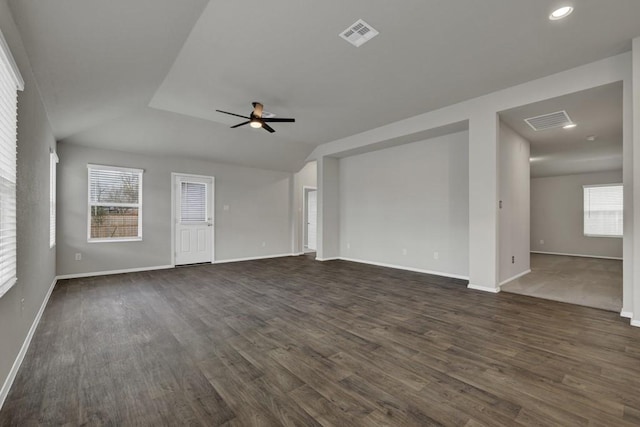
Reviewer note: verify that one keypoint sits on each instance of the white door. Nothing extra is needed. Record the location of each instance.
(312, 219)
(193, 205)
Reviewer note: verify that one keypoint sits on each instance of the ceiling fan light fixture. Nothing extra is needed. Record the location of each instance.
(560, 13)
(256, 124)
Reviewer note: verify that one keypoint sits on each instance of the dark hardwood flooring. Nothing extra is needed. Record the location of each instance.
(295, 342)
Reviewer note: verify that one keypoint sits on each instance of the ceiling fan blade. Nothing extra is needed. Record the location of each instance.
(232, 114)
(241, 124)
(267, 128)
(278, 120)
(257, 109)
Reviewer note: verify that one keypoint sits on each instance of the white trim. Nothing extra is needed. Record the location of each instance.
(517, 276)
(635, 323)
(483, 288)
(110, 272)
(614, 184)
(253, 258)
(576, 255)
(297, 253)
(4, 391)
(400, 267)
(626, 314)
(5, 53)
(114, 168)
(116, 240)
(328, 259)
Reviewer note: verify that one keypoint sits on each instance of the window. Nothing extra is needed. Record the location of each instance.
(193, 205)
(53, 161)
(10, 83)
(603, 210)
(115, 204)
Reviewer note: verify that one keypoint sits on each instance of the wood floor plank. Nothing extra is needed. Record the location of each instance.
(292, 341)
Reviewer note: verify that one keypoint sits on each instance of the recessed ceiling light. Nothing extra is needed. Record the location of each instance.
(569, 126)
(560, 13)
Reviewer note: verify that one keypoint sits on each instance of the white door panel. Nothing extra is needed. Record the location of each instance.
(193, 211)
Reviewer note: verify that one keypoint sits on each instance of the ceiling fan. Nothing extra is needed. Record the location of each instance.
(256, 119)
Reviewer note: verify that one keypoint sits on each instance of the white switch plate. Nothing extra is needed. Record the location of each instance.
(542, 242)
(225, 207)
(78, 256)
(436, 255)
(404, 251)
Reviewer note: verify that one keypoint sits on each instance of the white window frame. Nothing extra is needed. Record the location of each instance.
(53, 162)
(128, 205)
(584, 187)
(10, 83)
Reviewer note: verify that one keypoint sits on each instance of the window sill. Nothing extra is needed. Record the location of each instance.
(603, 235)
(116, 240)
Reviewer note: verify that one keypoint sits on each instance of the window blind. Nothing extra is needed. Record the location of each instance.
(193, 202)
(53, 161)
(115, 203)
(8, 135)
(603, 210)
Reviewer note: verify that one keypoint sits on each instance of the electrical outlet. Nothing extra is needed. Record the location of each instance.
(436, 255)
(542, 242)
(264, 244)
(513, 260)
(404, 251)
(348, 245)
(22, 304)
(225, 207)
(78, 256)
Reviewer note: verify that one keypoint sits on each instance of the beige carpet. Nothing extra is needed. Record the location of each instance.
(591, 282)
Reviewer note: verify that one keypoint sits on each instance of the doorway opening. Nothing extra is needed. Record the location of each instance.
(192, 216)
(310, 219)
(569, 159)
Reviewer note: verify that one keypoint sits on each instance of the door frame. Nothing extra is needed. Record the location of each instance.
(212, 207)
(305, 238)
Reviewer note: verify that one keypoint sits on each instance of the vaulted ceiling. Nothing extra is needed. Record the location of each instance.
(147, 75)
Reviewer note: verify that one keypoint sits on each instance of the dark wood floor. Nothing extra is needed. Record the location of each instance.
(295, 342)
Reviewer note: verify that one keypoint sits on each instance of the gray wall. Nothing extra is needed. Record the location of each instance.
(514, 223)
(307, 177)
(557, 216)
(259, 211)
(36, 262)
(413, 197)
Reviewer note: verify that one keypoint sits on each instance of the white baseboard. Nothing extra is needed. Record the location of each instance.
(626, 314)
(225, 261)
(297, 253)
(4, 391)
(517, 276)
(400, 267)
(483, 288)
(110, 272)
(635, 323)
(328, 259)
(576, 255)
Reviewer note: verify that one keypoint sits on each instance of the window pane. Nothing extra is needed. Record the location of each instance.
(193, 202)
(112, 222)
(114, 186)
(603, 211)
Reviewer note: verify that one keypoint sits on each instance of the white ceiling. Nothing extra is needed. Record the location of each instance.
(147, 75)
(597, 112)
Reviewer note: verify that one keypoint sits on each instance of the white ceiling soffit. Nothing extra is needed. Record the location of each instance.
(549, 121)
(100, 62)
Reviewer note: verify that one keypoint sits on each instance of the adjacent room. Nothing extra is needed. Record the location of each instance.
(363, 213)
(576, 197)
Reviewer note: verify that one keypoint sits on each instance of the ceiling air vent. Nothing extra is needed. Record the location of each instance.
(549, 121)
(359, 33)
